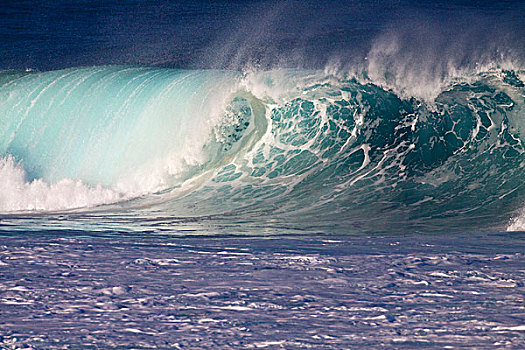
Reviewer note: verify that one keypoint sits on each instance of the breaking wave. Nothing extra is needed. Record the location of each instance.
(306, 148)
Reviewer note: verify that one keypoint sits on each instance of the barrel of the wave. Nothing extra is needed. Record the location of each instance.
(128, 128)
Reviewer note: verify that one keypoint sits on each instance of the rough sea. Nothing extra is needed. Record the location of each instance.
(262, 174)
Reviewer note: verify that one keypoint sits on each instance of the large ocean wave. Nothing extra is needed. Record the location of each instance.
(304, 148)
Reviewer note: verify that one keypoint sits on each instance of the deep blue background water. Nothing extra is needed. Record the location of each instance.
(56, 34)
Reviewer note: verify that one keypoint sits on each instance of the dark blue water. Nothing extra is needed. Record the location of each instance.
(262, 174)
(211, 34)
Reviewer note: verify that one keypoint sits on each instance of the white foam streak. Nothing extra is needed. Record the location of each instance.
(517, 223)
(17, 194)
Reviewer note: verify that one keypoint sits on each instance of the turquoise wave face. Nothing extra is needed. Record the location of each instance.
(298, 148)
(101, 125)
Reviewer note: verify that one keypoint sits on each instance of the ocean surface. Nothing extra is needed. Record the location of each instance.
(262, 174)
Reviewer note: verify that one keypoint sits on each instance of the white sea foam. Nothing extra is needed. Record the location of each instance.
(517, 223)
(18, 194)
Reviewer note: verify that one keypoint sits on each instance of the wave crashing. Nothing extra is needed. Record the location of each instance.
(309, 147)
